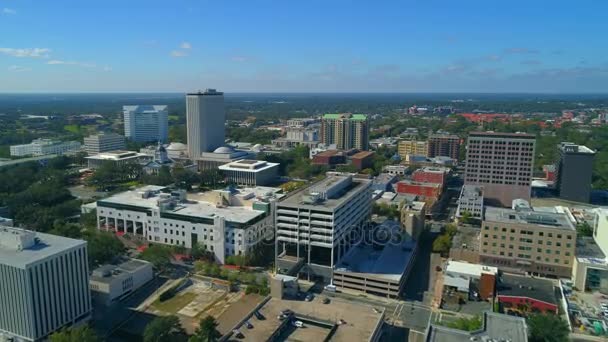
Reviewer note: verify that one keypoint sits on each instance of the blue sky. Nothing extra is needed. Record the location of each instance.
(304, 45)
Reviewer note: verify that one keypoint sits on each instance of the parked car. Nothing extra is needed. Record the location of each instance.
(248, 325)
(298, 324)
(259, 316)
(325, 300)
(309, 297)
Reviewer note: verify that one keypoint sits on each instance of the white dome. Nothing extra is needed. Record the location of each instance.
(224, 150)
(176, 146)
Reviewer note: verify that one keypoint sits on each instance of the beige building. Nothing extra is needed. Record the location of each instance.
(412, 219)
(527, 240)
(406, 148)
(347, 131)
(502, 163)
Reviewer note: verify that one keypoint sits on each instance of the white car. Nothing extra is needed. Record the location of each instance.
(298, 324)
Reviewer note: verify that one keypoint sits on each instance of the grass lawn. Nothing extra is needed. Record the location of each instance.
(173, 117)
(72, 128)
(174, 304)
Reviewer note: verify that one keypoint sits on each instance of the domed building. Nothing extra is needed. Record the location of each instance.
(177, 150)
(161, 159)
(220, 156)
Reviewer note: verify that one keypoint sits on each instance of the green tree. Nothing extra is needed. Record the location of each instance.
(206, 331)
(466, 324)
(547, 328)
(102, 246)
(159, 256)
(584, 229)
(442, 244)
(75, 334)
(164, 329)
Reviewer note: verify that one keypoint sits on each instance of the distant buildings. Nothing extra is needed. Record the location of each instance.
(315, 226)
(44, 284)
(347, 131)
(103, 142)
(250, 172)
(299, 131)
(111, 283)
(205, 119)
(444, 145)
(41, 147)
(406, 148)
(144, 123)
(502, 163)
(116, 158)
(220, 156)
(573, 172)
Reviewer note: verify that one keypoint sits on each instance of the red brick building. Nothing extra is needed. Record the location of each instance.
(427, 190)
(329, 158)
(362, 160)
(436, 175)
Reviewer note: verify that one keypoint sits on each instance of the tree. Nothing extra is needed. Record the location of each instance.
(164, 329)
(547, 328)
(75, 334)
(159, 256)
(584, 229)
(102, 246)
(442, 244)
(466, 324)
(206, 331)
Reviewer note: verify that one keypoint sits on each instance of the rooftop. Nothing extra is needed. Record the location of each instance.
(362, 154)
(248, 165)
(568, 147)
(521, 286)
(208, 91)
(358, 117)
(502, 135)
(469, 269)
(389, 262)
(531, 217)
(42, 246)
(587, 251)
(414, 206)
(496, 327)
(471, 192)
(145, 108)
(340, 189)
(106, 273)
(117, 155)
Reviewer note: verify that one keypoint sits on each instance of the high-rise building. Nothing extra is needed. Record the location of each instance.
(407, 148)
(573, 172)
(144, 123)
(104, 142)
(443, 145)
(205, 117)
(347, 131)
(502, 164)
(318, 225)
(44, 284)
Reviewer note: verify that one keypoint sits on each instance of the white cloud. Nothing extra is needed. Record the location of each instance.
(186, 46)
(8, 11)
(179, 53)
(60, 62)
(30, 52)
(16, 68)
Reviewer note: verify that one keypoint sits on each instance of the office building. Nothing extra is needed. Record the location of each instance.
(573, 172)
(250, 172)
(221, 156)
(470, 202)
(225, 222)
(502, 163)
(407, 148)
(205, 118)
(43, 284)
(412, 219)
(347, 131)
(145, 123)
(295, 136)
(117, 158)
(113, 282)
(443, 145)
(42, 147)
(315, 226)
(104, 142)
(528, 240)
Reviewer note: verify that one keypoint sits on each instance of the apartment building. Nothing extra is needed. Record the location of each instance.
(43, 284)
(527, 240)
(347, 131)
(407, 148)
(444, 145)
(318, 225)
(502, 163)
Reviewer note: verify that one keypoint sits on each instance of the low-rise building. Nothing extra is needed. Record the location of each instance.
(221, 156)
(437, 175)
(113, 282)
(362, 160)
(412, 218)
(526, 295)
(329, 158)
(104, 142)
(465, 281)
(471, 202)
(41, 147)
(396, 170)
(406, 148)
(250, 172)
(384, 182)
(117, 158)
(295, 136)
(590, 268)
(495, 327)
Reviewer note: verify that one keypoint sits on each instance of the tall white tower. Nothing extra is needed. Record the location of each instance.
(205, 117)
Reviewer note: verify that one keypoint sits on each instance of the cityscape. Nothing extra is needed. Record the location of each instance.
(366, 202)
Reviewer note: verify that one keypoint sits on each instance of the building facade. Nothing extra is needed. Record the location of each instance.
(502, 163)
(205, 122)
(471, 202)
(117, 158)
(144, 123)
(250, 172)
(407, 148)
(42, 147)
(528, 241)
(412, 219)
(318, 225)
(444, 145)
(347, 131)
(104, 142)
(111, 283)
(573, 172)
(44, 284)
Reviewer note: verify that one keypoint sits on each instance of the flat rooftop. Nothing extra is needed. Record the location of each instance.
(116, 155)
(295, 199)
(362, 321)
(248, 165)
(502, 135)
(496, 327)
(587, 251)
(471, 192)
(109, 272)
(521, 286)
(529, 217)
(47, 245)
(469, 269)
(390, 262)
(192, 208)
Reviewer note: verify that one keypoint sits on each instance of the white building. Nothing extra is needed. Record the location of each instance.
(111, 283)
(470, 201)
(41, 147)
(395, 170)
(220, 156)
(144, 123)
(43, 284)
(205, 119)
(308, 136)
(250, 172)
(103, 142)
(225, 222)
(460, 275)
(117, 158)
(314, 226)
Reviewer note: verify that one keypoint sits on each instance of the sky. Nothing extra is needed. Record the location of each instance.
(495, 46)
